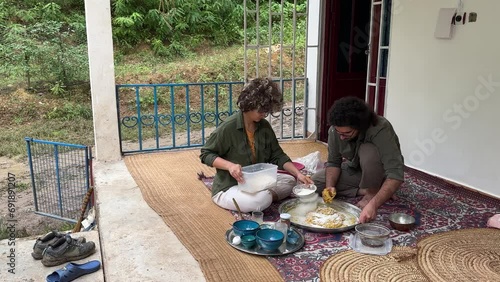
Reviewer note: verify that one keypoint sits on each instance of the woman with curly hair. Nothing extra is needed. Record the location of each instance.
(364, 156)
(247, 138)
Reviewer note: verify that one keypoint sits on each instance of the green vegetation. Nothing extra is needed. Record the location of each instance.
(44, 65)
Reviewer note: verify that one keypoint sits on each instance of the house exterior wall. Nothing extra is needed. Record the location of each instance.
(443, 95)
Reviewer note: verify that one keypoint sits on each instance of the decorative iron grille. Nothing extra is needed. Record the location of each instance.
(168, 116)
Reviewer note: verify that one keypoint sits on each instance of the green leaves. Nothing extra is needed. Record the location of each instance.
(51, 11)
(178, 24)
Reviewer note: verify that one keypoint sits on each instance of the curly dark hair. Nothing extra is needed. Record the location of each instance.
(352, 112)
(260, 94)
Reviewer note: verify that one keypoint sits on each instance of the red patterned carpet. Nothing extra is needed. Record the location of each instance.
(438, 206)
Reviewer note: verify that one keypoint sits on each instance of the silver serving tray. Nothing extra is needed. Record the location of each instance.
(340, 206)
(257, 250)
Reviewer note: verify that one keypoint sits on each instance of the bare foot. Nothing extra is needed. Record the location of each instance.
(368, 196)
(362, 192)
(366, 199)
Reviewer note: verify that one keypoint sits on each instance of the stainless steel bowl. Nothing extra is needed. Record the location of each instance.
(290, 206)
(372, 235)
(401, 221)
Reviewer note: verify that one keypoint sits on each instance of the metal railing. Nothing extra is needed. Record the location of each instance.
(169, 116)
(60, 177)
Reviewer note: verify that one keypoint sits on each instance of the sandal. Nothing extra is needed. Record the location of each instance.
(73, 270)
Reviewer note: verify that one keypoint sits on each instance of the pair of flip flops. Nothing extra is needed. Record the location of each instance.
(73, 270)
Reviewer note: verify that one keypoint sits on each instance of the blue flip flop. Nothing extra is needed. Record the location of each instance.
(73, 270)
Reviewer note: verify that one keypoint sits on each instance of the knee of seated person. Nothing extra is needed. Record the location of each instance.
(368, 154)
(286, 182)
(258, 203)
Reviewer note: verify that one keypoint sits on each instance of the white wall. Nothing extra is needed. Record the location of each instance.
(444, 95)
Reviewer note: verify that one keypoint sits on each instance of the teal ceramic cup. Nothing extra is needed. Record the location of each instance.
(248, 241)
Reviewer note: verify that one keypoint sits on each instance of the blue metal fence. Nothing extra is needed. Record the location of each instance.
(60, 177)
(182, 115)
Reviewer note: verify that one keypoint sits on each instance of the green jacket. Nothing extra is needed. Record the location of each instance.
(382, 136)
(229, 141)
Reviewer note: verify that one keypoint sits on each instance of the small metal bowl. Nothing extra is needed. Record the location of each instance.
(372, 235)
(401, 221)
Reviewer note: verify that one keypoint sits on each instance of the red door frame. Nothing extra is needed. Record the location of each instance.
(336, 85)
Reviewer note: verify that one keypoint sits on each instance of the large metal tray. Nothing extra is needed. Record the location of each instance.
(257, 250)
(340, 206)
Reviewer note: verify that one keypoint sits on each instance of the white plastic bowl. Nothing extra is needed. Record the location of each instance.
(305, 192)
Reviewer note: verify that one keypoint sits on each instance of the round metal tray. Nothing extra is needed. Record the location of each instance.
(340, 206)
(257, 250)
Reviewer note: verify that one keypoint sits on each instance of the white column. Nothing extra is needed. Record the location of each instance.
(312, 68)
(102, 79)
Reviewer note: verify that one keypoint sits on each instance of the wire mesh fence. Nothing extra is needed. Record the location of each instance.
(60, 177)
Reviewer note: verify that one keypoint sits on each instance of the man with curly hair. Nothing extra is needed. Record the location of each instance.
(364, 156)
(247, 138)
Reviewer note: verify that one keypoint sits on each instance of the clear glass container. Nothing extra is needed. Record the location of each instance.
(285, 218)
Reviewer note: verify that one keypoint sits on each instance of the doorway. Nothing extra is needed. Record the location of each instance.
(356, 46)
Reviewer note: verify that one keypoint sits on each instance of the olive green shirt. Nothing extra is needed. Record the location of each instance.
(381, 135)
(229, 141)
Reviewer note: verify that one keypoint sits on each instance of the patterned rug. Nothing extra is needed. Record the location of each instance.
(437, 206)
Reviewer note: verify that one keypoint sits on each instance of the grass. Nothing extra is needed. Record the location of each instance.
(23, 186)
(210, 64)
(67, 117)
(77, 131)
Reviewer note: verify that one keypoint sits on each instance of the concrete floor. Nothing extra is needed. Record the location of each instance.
(136, 244)
(28, 269)
(133, 242)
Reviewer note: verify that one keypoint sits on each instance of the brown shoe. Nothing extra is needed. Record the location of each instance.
(66, 249)
(46, 240)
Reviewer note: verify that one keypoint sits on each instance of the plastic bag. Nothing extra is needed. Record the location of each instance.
(310, 161)
(494, 221)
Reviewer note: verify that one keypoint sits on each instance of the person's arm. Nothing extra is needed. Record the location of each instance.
(234, 169)
(332, 170)
(332, 176)
(389, 187)
(387, 144)
(290, 167)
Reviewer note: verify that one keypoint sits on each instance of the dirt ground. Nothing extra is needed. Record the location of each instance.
(28, 223)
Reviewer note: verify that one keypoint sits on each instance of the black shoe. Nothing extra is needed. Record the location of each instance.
(47, 239)
(66, 249)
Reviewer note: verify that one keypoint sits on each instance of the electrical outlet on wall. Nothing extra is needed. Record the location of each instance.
(459, 18)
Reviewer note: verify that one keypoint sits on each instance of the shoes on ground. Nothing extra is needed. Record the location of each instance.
(49, 238)
(66, 249)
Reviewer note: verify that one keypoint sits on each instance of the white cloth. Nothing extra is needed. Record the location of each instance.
(259, 201)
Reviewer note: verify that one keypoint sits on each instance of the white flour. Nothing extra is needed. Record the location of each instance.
(258, 183)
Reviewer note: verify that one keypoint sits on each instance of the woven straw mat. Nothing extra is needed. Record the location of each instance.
(351, 266)
(461, 255)
(169, 184)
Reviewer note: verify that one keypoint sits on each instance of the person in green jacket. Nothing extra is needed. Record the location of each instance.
(364, 157)
(247, 138)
